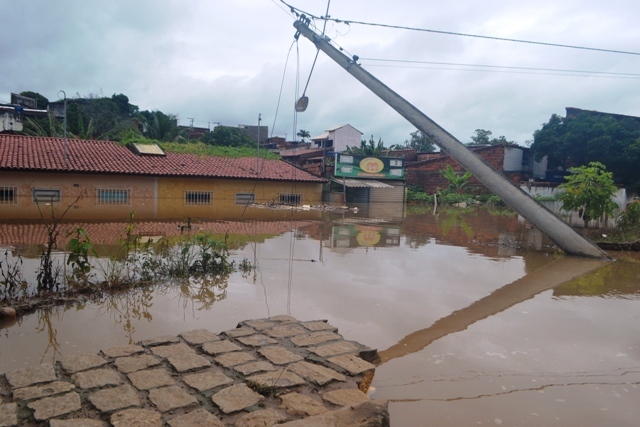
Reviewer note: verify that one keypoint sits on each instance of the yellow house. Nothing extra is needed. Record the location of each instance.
(105, 180)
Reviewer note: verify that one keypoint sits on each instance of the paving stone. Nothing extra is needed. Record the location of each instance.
(345, 397)
(220, 347)
(236, 398)
(81, 362)
(319, 325)
(264, 418)
(96, 378)
(239, 332)
(170, 398)
(207, 380)
(136, 418)
(288, 330)
(353, 364)
(283, 318)
(334, 349)
(315, 373)
(277, 379)
(314, 338)
(188, 362)
(32, 375)
(257, 340)
(172, 350)
(279, 355)
(199, 417)
(37, 392)
(367, 414)
(260, 324)
(77, 422)
(236, 358)
(253, 367)
(135, 363)
(299, 404)
(163, 340)
(199, 336)
(9, 415)
(152, 378)
(112, 399)
(50, 407)
(123, 350)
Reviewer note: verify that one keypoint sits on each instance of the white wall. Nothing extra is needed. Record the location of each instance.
(8, 121)
(346, 135)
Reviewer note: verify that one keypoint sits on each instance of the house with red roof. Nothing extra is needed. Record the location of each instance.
(106, 180)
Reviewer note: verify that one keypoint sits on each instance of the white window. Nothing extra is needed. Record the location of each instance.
(395, 162)
(45, 195)
(198, 198)
(395, 172)
(346, 159)
(8, 195)
(245, 198)
(113, 196)
(290, 199)
(346, 169)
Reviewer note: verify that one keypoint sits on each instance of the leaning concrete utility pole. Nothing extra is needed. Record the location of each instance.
(546, 221)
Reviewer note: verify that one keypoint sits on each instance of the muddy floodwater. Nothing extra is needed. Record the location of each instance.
(478, 320)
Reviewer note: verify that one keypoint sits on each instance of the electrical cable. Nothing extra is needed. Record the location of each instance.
(453, 33)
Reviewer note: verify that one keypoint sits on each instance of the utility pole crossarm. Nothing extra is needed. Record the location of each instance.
(559, 231)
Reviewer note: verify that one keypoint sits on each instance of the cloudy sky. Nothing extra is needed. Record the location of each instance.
(224, 61)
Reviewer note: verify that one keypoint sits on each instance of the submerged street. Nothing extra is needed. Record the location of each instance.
(477, 319)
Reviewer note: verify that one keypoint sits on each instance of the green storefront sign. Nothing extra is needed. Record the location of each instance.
(350, 166)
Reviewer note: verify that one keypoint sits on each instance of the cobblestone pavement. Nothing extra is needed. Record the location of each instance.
(265, 372)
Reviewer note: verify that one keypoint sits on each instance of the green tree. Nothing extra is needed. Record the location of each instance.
(303, 134)
(421, 142)
(161, 126)
(227, 136)
(456, 182)
(483, 137)
(588, 190)
(370, 148)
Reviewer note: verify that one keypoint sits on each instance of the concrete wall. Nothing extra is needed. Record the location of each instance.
(346, 135)
(150, 197)
(512, 159)
(10, 121)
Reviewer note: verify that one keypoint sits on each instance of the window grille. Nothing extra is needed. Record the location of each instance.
(113, 196)
(42, 195)
(245, 198)
(8, 195)
(197, 198)
(290, 199)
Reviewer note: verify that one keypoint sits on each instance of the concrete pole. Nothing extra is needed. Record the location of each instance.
(546, 221)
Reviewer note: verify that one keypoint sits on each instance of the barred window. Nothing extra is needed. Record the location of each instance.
(290, 199)
(245, 198)
(197, 198)
(113, 196)
(8, 195)
(45, 195)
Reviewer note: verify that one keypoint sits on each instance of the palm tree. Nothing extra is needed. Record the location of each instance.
(303, 134)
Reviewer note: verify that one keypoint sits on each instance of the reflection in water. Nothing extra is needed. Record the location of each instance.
(553, 274)
(127, 309)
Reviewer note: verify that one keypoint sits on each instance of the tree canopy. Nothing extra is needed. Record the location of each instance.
(483, 137)
(421, 142)
(370, 148)
(585, 137)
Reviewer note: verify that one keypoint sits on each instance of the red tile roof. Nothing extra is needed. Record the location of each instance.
(42, 154)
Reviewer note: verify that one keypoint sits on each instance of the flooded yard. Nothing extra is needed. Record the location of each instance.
(477, 319)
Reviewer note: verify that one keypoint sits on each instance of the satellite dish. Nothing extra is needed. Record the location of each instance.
(302, 103)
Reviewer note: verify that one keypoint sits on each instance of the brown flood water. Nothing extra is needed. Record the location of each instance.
(476, 320)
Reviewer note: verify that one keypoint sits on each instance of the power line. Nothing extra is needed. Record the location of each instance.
(452, 33)
(490, 68)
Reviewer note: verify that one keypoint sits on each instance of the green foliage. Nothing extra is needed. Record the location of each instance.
(415, 193)
(631, 216)
(44, 126)
(587, 137)
(483, 137)
(303, 134)
(201, 149)
(456, 182)
(588, 190)
(10, 274)
(41, 100)
(421, 142)
(80, 248)
(370, 148)
(227, 136)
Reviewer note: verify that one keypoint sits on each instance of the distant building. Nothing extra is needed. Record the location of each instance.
(338, 138)
(257, 133)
